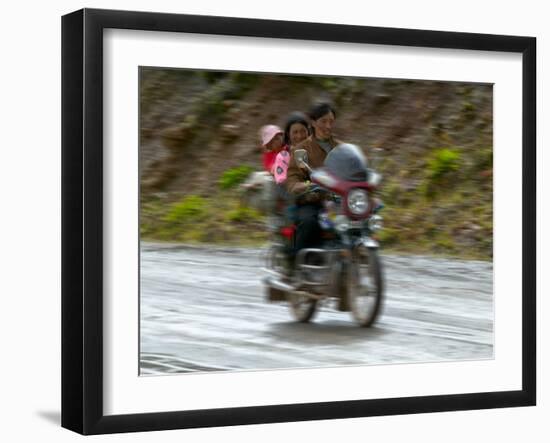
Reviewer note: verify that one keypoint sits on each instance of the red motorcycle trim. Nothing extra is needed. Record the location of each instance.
(343, 188)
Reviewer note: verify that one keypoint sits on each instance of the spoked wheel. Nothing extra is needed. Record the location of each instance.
(365, 285)
(302, 306)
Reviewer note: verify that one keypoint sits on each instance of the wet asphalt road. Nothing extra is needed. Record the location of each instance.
(204, 309)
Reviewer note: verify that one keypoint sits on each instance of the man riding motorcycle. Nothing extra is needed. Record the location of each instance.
(317, 146)
(336, 256)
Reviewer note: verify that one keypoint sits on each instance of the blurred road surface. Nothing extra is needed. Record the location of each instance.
(204, 309)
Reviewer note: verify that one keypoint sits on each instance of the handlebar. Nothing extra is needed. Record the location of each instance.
(314, 193)
(312, 189)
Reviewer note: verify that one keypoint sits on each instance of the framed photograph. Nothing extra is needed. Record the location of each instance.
(268, 221)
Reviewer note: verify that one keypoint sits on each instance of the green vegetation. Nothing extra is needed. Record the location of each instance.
(195, 219)
(191, 208)
(243, 214)
(440, 170)
(234, 177)
(443, 207)
(450, 220)
(442, 163)
(216, 218)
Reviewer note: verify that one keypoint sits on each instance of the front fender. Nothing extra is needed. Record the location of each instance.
(369, 242)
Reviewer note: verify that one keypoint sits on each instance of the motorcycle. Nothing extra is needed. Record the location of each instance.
(346, 267)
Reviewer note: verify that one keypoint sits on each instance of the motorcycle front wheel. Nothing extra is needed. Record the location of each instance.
(365, 285)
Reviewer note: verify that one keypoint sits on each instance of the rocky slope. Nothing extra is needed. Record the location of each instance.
(431, 140)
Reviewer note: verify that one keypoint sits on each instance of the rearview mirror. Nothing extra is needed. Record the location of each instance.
(374, 178)
(301, 157)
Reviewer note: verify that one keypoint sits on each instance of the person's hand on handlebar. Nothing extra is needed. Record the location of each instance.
(312, 187)
(311, 193)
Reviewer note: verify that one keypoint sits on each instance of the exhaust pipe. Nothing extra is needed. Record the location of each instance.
(278, 284)
(284, 289)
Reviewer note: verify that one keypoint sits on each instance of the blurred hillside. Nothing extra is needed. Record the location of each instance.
(432, 141)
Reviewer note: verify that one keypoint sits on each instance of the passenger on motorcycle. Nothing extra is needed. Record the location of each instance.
(296, 131)
(317, 146)
(272, 144)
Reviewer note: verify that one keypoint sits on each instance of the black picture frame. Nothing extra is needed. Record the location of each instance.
(82, 219)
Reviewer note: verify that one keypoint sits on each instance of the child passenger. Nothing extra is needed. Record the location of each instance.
(296, 131)
(277, 144)
(272, 143)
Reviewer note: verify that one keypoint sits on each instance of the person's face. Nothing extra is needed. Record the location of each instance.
(297, 133)
(275, 143)
(323, 126)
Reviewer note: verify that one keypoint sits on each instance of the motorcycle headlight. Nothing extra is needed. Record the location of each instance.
(358, 201)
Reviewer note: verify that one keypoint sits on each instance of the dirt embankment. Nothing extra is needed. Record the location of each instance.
(432, 141)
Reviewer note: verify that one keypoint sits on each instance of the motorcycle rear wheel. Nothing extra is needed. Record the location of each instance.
(365, 286)
(302, 307)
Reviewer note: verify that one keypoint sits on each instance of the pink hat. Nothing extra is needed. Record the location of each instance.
(268, 132)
